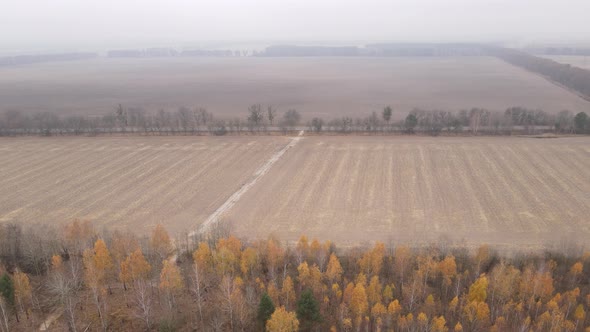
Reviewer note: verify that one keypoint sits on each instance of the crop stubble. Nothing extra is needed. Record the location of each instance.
(125, 182)
(503, 191)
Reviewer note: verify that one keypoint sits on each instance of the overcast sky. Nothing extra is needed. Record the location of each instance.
(71, 23)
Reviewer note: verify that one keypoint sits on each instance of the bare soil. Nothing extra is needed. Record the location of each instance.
(324, 87)
(126, 182)
(508, 192)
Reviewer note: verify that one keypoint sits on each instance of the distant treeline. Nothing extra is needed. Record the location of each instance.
(171, 52)
(558, 50)
(266, 119)
(574, 78)
(389, 49)
(28, 59)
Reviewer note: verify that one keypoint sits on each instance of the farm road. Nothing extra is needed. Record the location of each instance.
(235, 197)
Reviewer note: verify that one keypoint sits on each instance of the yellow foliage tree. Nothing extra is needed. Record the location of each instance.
(282, 321)
(56, 262)
(288, 292)
(439, 324)
(248, 261)
(160, 241)
(170, 280)
(478, 290)
(135, 267)
(374, 290)
(203, 258)
(387, 294)
(302, 249)
(372, 261)
(22, 291)
(358, 302)
(334, 269)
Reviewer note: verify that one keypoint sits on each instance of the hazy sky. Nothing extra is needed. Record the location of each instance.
(59, 23)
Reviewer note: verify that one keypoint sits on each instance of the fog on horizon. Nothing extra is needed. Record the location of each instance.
(61, 24)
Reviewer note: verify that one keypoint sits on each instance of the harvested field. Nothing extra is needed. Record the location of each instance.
(123, 182)
(509, 192)
(325, 87)
(574, 60)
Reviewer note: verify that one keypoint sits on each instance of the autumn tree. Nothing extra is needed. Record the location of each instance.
(170, 281)
(227, 255)
(97, 265)
(202, 266)
(402, 256)
(160, 242)
(372, 261)
(136, 270)
(288, 292)
(78, 235)
(334, 269)
(282, 321)
(22, 292)
(359, 303)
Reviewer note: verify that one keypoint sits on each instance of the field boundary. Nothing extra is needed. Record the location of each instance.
(235, 197)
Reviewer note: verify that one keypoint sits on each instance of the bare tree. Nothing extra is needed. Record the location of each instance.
(271, 113)
(184, 118)
(255, 116)
(143, 301)
(121, 115)
(290, 120)
(316, 125)
(387, 111)
(3, 311)
(63, 286)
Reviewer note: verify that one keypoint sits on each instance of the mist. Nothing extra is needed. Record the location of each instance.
(73, 24)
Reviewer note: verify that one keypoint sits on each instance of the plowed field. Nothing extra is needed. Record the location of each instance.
(505, 191)
(125, 182)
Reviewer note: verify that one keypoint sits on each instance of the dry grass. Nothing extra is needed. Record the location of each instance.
(125, 182)
(504, 191)
(327, 87)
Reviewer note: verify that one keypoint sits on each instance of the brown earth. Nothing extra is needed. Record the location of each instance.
(325, 87)
(125, 182)
(509, 192)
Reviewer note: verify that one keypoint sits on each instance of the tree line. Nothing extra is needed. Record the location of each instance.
(574, 78)
(113, 280)
(266, 119)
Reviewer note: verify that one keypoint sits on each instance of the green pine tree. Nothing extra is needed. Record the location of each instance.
(308, 310)
(265, 309)
(7, 288)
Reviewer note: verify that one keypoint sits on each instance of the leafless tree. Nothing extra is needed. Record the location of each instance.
(198, 290)
(4, 312)
(255, 116)
(63, 285)
(271, 113)
(290, 120)
(143, 301)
